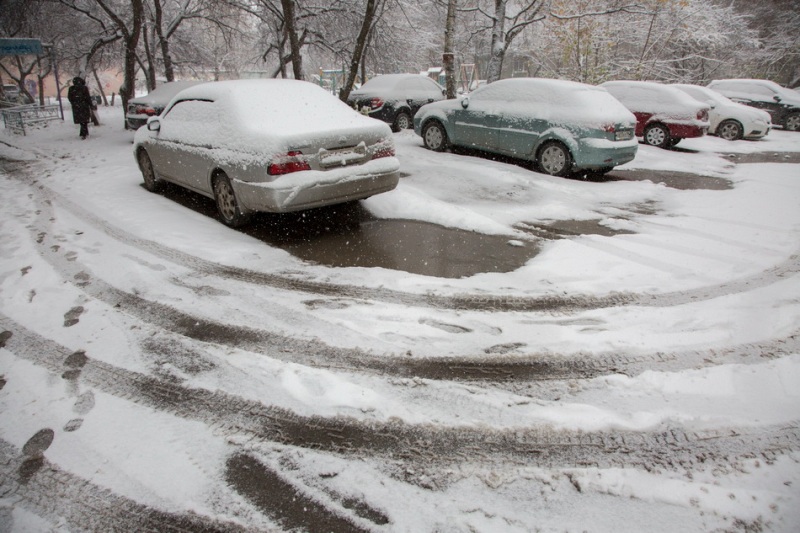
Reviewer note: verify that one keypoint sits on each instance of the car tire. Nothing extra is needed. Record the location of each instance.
(730, 130)
(151, 182)
(434, 136)
(402, 121)
(227, 204)
(657, 135)
(792, 122)
(554, 159)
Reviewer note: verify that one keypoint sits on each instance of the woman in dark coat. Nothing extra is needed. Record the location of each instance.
(82, 105)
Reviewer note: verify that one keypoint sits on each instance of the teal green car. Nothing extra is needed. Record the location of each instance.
(562, 127)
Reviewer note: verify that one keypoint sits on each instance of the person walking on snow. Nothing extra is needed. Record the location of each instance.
(82, 105)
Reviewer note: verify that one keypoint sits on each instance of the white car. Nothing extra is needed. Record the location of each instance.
(730, 120)
(781, 103)
(271, 145)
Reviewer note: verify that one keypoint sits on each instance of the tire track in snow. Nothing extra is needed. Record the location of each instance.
(59, 496)
(466, 302)
(420, 445)
(470, 367)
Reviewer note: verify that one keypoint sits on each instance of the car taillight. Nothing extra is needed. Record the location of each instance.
(609, 128)
(375, 103)
(702, 114)
(144, 110)
(383, 148)
(288, 163)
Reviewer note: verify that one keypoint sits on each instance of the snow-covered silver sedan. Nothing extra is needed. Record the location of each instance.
(266, 146)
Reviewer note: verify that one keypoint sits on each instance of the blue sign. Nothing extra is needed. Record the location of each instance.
(20, 47)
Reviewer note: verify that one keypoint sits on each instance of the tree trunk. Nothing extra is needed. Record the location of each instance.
(294, 40)
(361, 43)
(498, 48)
(449, 58)
(128, 89)
(169, 72)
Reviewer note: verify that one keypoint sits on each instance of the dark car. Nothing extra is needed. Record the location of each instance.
(781, 103)
(395, 98)
(153, 103)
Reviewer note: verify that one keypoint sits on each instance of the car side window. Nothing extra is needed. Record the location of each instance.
(190, 110)
(191, 122)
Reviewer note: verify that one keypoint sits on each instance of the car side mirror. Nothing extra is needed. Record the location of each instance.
(153, 124)
(465, 103)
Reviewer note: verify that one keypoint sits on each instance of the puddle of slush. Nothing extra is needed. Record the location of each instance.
(413, 246)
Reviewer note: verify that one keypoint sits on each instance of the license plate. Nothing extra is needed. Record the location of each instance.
(342, 157)
(624, 135)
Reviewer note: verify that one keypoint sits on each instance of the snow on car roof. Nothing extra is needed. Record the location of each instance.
(647, 96)
(389, 80)
(162, 94)
(271, 115)
(279, 105)
(568, 100)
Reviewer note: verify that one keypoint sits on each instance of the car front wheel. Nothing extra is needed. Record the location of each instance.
(554, 159)
(151, 182)
(657, 135)
(730, 130)
(434, 136)
(792, 122)
(402, 121)
(227, 204)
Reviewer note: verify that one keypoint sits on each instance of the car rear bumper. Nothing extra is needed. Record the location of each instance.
(309, 189)
(686, 131)
(596, 154)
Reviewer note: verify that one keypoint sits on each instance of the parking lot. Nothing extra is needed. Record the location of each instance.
(485, 348)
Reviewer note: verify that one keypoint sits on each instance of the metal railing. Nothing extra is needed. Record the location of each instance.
(18, 117)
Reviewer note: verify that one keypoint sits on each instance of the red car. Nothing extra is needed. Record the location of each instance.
(664, 114)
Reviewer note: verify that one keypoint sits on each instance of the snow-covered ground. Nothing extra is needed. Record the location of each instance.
(642, 382)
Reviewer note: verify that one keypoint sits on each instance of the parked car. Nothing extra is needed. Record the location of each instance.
(273, 145)
(561, 126)
(394, 98)
(664, 114)
(153, 103)
(730, 120)
(10, 91)
(782, 103)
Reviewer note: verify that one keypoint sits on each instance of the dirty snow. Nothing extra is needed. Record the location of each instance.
(684, 241)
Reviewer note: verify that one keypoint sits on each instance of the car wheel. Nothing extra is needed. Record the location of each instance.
(402, 121)
(227, 204)
(657, 135)
(434, 136)
(554, 159)
(151, 182)
(730, 130)
(792, 122)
